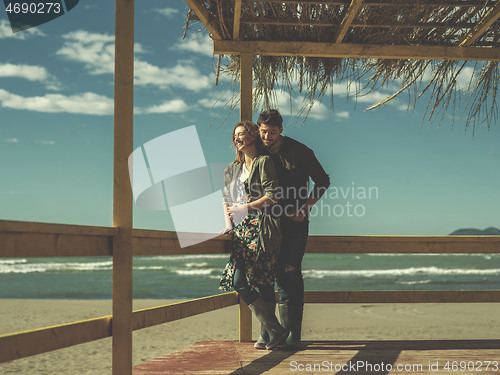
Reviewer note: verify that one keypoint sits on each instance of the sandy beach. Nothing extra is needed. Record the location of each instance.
(322, 322)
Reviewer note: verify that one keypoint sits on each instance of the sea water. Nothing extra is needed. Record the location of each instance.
(193, 276)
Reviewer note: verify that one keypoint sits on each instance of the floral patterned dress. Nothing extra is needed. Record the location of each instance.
(260, 265)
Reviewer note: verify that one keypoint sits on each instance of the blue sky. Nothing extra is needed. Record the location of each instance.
(56, 132)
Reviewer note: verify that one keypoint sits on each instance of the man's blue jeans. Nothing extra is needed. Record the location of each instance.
(247, 293)
(289, 278)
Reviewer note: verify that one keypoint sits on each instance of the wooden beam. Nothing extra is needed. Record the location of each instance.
(26, 239)
(404, 244)
(246, 90)
(180, 310)
(420, 3)
(151, 242)
(23, 245)
(403, 296)
(237, 19)
(122, 189)
(322, 23)
(245, 322)
(205, 17)
(349, 50)
(30, 226)
(246, 66)
(482, 25)
(24, 344)
(351, 13)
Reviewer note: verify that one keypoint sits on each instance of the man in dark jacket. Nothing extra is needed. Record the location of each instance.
(295, 164)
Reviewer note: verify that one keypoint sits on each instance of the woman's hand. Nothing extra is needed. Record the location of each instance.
(237, 212)
(226, 231)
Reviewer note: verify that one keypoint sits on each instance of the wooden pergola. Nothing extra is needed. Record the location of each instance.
(293, 31)
(468, 39)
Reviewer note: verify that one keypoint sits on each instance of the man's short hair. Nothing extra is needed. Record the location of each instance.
(270, 117)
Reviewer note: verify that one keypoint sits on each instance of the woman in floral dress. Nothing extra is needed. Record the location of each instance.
(251, 189)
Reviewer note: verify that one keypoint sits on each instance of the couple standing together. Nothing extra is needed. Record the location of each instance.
(266, 205)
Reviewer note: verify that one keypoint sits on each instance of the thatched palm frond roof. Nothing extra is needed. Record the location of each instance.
(421, 44)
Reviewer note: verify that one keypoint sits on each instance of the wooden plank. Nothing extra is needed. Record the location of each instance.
(482, 25)
(351, 13)
(21, 245)
(122, 190)
(148, 242)
(76, 242)
(397, 296)
(28, 343)
(122, 303)
(421, 3)
(404, 244)
(350, 50)
(166, 243)
(24, 344)
(7, 226)
(205, 17)
(321, 23)
(430, 3)
(246, 86)
(245, 321)
(237, 19)
(306, 2)
(163, 314)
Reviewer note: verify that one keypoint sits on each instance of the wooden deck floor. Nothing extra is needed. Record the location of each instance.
(332, 357)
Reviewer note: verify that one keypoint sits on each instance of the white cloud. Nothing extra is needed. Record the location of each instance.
(215, 100)
(318, 111)
(198, 43)
(342, 115)
(90, 7)
(87, 103)
(31, 73)
(12, 140)
(465, 77)
(96, 51)
(169, 106)
(45, 142)
(167, 12)
(374, 97)
(183, 75)
(6, 32)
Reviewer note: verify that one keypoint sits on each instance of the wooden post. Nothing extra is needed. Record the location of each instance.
(245, 114)
(245, 322)
(122, 190)
(246, 87)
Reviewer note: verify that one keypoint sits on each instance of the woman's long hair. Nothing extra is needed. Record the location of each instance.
(253, 130)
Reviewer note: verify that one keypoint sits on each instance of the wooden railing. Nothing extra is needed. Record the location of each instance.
(28, 239)
(24, 344)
